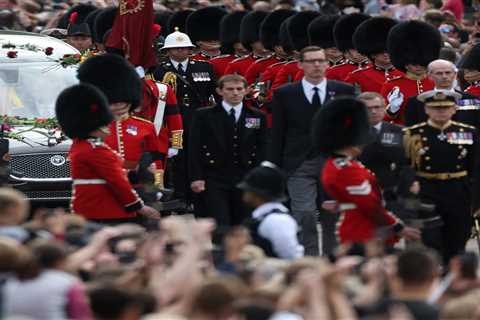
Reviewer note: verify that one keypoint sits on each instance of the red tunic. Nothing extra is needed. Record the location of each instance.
(256, 69)
(286, 74)
(371, 78)
(220, 63)
(100, 186)
(268, 77)
(341, 71)
(408, 88)
(202, 57)
(171, 131)
(131, 138)
(474, 89)
(240, 65)
(359, 196)
(299, 74)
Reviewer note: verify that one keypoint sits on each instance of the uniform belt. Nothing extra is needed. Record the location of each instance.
(443, 175)
(77, 182)
(347, 206)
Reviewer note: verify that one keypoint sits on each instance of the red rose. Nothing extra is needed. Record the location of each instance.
(48, 51)
(12, 54)
(77, 56)
(67, 55)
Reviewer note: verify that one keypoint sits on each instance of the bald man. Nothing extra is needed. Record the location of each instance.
(444, 74)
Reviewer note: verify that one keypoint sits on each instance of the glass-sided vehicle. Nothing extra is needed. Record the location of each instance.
(31, 77)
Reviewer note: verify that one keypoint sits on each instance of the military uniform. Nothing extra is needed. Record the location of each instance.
(331, 63)
(241, 65)
(220, 63)
(474, 89)
(372, 77)
(101, 190)
(359, 197)
(403, 87)
(131, 137)
(341, 71)
(201, 56)
(445, 160)
(286, 74)
(256, 69)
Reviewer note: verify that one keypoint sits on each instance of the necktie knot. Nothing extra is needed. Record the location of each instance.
(316, 102)
(232, 115)
(180, 68)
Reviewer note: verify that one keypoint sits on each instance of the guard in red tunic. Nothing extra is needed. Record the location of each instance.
(471, 70)
(250, 38)
(343, 35)
(101, 191)
(320, 33)
(347, 181)
(230, 40)
(203, 28)
(269, 36)
(412, 45)
(370, 39)
(297, 26)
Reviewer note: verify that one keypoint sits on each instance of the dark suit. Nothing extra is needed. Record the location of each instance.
(194, 88)
(221, 153)
(291, 149)
(469, 113)
(385, 156)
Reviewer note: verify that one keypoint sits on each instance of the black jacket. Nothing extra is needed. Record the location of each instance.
(469, 114)
(292, 118)
(210, 150)
(385, 156)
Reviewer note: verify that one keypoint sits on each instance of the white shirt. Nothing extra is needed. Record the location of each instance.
(308, 90)
(237, 109)
(378, 126)
(280, 229)
(184, 64)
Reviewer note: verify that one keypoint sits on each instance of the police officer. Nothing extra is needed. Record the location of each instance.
(194, 86)
(271, 226)
(444, 155)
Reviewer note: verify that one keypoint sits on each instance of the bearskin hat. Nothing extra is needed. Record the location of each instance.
(250, 27)
(90, 20)
(104, 23)
(81, 11)
(114, 76)
(471, 60)
(161, 18)
(371, 35)
(283, 38)
(204, 24)
(178, 20)
(320, 31)
(297, 28)
(269, 30)
(413, 42)
(342, 122)
(81, 109)
(77, 29)
(344, 29)
(230, 30)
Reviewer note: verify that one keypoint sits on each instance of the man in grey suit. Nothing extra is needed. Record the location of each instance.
(294, 106)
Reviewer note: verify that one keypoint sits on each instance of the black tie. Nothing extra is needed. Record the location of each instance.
(316, 98)
(180, 68)
(231, 114)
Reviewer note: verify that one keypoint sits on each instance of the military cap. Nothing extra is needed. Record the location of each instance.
(250, 27)
(178, 20)
(471, 60)
(230, 30)
(297, 28)
(344, 29)
(370, 37)
(269, 30)
(439, 98)
(320, 31)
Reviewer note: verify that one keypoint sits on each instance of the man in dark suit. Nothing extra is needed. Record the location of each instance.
(226, 141)
(194, 85)
(294, 106)
(385, 156)
(443, 73)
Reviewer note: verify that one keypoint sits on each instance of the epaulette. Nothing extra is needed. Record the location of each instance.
(141, 119)
(290, 62)
(96, 142)
(461, 124)
(341, 162)
(394, 78)
(240, 59)
(362, 69)
(264, 58)
(338, 65)
(418, 125)
(276, 64)
(220, 56)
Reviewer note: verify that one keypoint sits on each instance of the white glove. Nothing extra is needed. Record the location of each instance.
(140, 71)
(395, 100)
(172, 152)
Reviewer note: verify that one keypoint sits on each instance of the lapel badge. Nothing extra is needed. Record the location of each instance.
(252, 123)
(132, 130)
